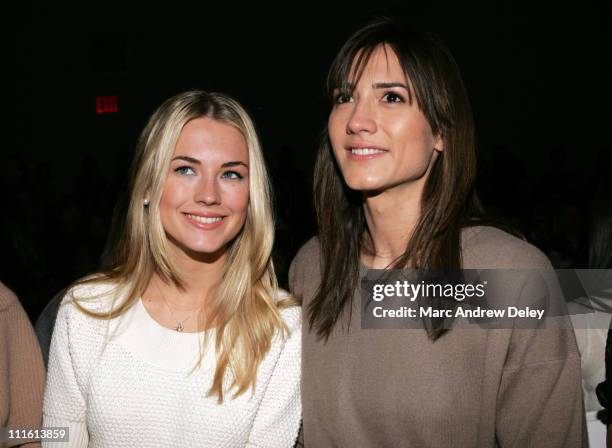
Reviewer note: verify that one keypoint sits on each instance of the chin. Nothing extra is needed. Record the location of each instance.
(208, 254)
(365, 185)
(209, 247)
(201, 250)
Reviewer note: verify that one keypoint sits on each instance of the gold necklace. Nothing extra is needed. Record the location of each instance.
(179, 326)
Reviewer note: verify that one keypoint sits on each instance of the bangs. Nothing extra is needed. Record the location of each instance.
(349, 65)
(340, 71)
(430, 71)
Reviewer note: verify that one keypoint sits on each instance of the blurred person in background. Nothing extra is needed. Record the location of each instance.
(22, 374)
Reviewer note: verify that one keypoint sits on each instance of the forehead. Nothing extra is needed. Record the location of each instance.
(380, 65)
(209, 139)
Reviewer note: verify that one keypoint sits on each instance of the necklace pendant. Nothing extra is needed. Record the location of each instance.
(179, 327)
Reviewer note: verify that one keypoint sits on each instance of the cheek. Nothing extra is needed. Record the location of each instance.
(236, 197)
(336, 130)
(174, 192)
(168, 200)
(417, 139)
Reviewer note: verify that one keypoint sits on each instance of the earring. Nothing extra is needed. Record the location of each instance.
(146, 202)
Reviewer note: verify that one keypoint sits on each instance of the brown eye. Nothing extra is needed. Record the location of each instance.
(392, 97)
(342, 98)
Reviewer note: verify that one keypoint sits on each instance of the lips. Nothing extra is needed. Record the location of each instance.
(204, 219)
(364, 151)
(204, 222)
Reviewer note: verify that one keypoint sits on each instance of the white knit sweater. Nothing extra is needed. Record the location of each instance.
(128, 383)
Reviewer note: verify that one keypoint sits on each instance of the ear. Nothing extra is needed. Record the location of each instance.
(438, 143)
(147, 197)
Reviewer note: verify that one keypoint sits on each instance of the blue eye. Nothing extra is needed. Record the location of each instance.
(184, 170)
(231, 175)
(392, 97)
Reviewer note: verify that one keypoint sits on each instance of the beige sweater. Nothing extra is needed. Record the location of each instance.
(22, 373)
(472, 388)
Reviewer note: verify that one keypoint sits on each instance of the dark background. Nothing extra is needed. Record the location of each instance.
(538, 78)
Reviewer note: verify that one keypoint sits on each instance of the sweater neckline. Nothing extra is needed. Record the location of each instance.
(152, 322)
(140, 334)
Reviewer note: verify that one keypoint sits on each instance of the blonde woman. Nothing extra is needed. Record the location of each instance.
(186, 340)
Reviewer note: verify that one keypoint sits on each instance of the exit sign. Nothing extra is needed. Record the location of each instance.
(107, 104)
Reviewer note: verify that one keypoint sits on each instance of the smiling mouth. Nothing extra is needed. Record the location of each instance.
(361, 152)
(366, 151)
(204, 219)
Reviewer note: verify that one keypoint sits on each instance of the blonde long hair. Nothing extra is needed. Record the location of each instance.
(244, 308)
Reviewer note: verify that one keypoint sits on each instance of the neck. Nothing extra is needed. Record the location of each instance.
(391, 217)
(198, 276)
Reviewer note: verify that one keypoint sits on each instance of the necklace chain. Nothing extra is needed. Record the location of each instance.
(179, 325)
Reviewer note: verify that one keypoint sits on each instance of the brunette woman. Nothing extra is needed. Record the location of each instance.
(393, 182)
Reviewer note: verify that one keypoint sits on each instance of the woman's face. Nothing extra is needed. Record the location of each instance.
(379, 139)
(206, 195)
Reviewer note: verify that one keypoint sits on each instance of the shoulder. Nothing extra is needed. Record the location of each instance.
(15, 326)
(12, 314)
(492, 248)
(93, 295)
(77, 334)
(8, 299)
(308, 253)
(292, 315)
(521, 274)
(305, 267)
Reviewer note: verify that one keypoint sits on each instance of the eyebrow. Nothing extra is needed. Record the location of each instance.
(197, 162)
(186, 159)
(387, 85)
(236, 163)
(377, 85)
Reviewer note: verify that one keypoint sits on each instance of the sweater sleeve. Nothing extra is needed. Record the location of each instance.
(278, 418)
(540, 404)
(540, 400)
(64, 403)
(21, 370)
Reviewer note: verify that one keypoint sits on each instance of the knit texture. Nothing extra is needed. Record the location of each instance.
(482, 388)
(129, 382)
(22, 374)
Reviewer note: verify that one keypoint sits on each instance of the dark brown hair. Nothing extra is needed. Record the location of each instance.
(439, 92)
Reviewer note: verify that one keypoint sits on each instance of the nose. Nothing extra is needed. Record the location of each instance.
(362, 118)
(208, 192)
